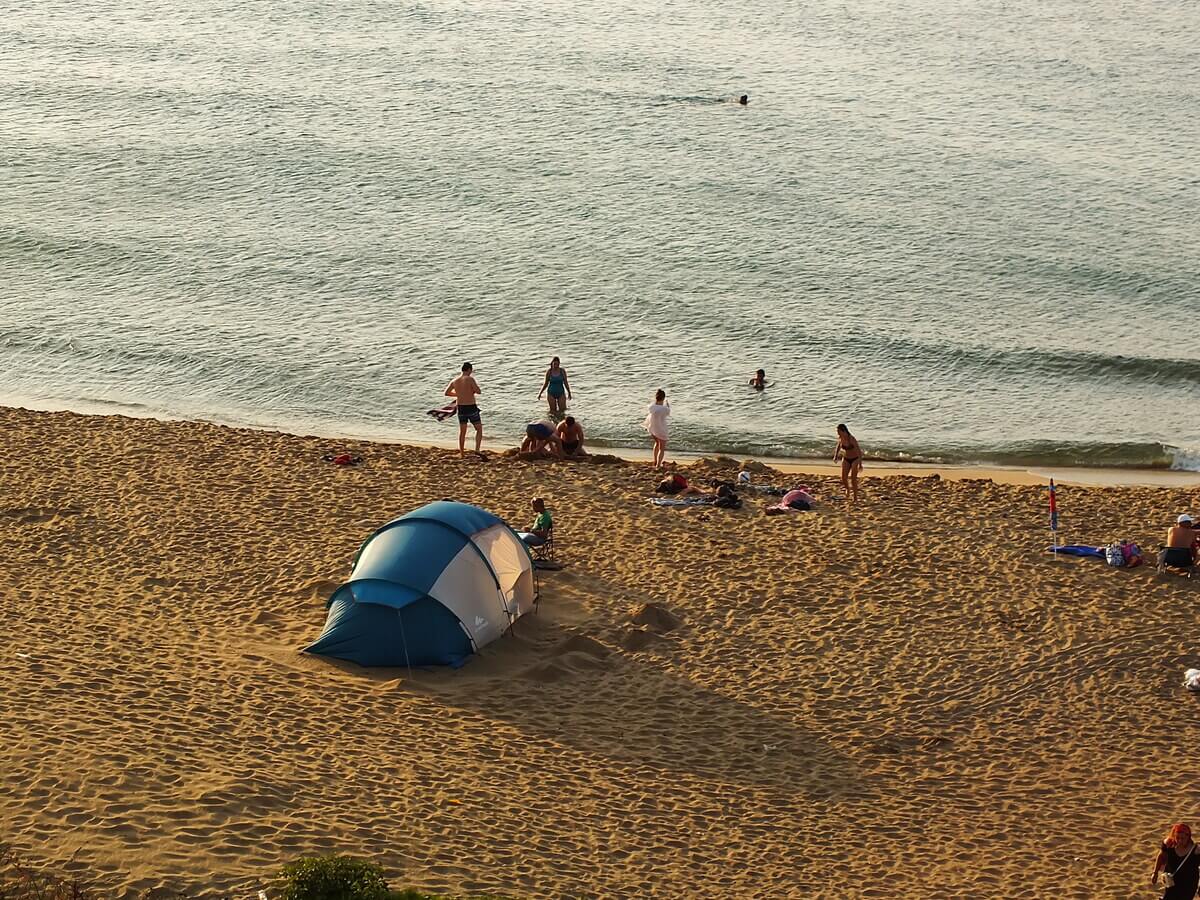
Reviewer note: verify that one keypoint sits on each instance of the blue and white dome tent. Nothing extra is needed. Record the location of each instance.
(429, 588)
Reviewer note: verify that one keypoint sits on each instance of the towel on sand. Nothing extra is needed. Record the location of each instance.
(1079, 550)
(682, 501)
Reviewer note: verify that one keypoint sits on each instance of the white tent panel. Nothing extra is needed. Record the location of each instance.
(510, 561)
(466, 587)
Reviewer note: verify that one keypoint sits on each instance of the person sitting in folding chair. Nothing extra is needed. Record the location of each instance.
(1180, 551)
(541, 536)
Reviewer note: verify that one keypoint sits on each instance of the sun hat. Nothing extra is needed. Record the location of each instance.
(1185, 519)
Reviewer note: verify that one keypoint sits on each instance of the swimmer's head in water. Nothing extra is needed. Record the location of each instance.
(744, 99)
(761, 375)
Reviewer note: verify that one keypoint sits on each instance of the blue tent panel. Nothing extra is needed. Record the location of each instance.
(421, 633)
(409, 552)
(462, 517)
(384, 593)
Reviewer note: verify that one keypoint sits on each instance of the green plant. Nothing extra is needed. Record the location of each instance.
(19, 881)
(331, 878)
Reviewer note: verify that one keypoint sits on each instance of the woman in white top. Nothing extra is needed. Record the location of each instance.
(656, 424)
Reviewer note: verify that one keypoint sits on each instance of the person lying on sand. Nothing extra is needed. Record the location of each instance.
(542, 523)
(721, 492)
(570, 434)
(540, 438)
(1183, 542)
(672, 484)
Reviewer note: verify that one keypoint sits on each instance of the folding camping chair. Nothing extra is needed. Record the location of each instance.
(1188, 571)
(544, 552)
(543, 560)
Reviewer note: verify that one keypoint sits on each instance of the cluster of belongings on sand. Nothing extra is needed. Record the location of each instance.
(724, 494)
(796, 500)
(341, 459)
(1119, 554)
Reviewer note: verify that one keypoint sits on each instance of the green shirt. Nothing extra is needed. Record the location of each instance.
(542, 522)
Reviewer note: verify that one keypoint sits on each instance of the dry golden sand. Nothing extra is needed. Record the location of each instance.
(915, 673)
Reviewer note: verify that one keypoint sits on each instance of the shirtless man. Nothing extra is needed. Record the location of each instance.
(570, 432)
(464, 390)
(1182, 540)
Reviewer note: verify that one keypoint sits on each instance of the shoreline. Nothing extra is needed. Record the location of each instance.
(1091, 476)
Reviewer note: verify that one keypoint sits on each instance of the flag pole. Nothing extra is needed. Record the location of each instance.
(1054, 517)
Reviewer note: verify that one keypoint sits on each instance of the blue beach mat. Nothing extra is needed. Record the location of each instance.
(1079, 550)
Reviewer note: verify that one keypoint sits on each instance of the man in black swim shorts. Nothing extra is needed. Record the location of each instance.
(469, 414)
(464, 389)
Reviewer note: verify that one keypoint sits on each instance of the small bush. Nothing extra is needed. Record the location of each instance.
(19, 881)
(331, 878)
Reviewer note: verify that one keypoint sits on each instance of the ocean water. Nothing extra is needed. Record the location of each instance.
(967, 230)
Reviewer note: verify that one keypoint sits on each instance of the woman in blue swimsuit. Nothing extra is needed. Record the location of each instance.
(556, 388)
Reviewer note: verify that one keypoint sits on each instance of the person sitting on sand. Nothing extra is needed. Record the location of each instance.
(1183, 541)
(540, 438)
(759, 381)
(1178, 863)
(539, 533)
(570, 434)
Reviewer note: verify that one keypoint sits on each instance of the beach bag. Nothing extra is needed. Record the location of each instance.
(1169, 877)
(1114, 555)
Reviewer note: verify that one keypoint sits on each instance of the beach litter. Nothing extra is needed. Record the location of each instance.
(1191, 679)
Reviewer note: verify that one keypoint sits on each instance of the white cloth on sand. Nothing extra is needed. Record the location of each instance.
(656, 420)
(1191, 679)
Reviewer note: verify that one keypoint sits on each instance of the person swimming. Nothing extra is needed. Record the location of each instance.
(759, 381)
(744, 100)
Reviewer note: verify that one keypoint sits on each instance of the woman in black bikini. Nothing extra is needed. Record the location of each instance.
(1177, 858)
(851, 455)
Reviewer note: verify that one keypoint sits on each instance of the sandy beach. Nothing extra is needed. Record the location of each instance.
(914, 672)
